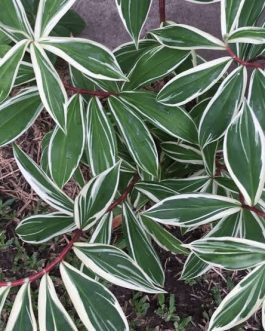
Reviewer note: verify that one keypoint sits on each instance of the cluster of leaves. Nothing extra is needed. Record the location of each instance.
(196, 148)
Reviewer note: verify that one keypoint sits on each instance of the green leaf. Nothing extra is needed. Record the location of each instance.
(66, 149)
(101, 140)
(3, 295)
(9, 66)
(230, 13)
(194, 267)
(163, 237)
(182, 153)
(82, 81)
(49, 14)
(96, 306)
(155, 191)
(42, 184)
(103, 231)
(18, 114)
(248, 35)
(136, 135)
(229, 253)
(241, 303)
(174, 121)
(127, 54)
(251, 12)
(188, 210)
(166, 188)
(51, 89)
(133, 15)
(256, 97)
(155, 63)
(70, 24)
(209, 157)
(25, 74)
(115, 266)
(89, 57)
(140, 247)
(244, 154)
(181, 36)
(52, 314)
(14, 21)
(41, 228)
(96, 197)
(229, 96)
(245, 224)
(22, 317)
(192, 83)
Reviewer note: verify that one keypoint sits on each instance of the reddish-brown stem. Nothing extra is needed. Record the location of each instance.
(68, 247)
(162, 10)
(248, 64)
(253, 209)
(99, 94)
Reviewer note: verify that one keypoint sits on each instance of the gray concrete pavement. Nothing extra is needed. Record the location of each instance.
(104, 24)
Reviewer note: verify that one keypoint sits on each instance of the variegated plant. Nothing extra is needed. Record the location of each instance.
(169, 139)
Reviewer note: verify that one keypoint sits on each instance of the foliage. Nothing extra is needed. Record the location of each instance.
(169, 138)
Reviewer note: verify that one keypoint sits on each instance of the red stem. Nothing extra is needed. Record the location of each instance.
(253, 209)
(162, 10)
(248, 64)
(100, 94)
(67, 249)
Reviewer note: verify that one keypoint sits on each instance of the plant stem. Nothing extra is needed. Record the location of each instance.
(100, 94)
(253, 209)
(77, 235)
(162, 10)
(248, 64)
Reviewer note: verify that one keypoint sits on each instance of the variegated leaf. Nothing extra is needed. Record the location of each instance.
(112, 264)
(17, 114)
(101, 140)
(163, 237)
(181, 36)
(49, 14)
(52, 314)
(96, 306)
(230, 13)
(103, 230)
(140, 246)
(192, 83)
(66, 149)
(174, 121)
(229, 253)
(244, 154)
(51, 89)
(14, 21)
(42, 184)
(241, 303)
(188, 210)
(138, 139)
(41, 228)
(9, 65)
(22, 317)
(229, 96)
(89, 57)
(96, 197)
(133, 15)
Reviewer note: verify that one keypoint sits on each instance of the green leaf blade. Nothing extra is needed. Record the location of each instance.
(96, 197)
(192, 209)
(190, 84)
(96, 306)
(66, 149)
(136, 135)
(245, 137)
(112, 264)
